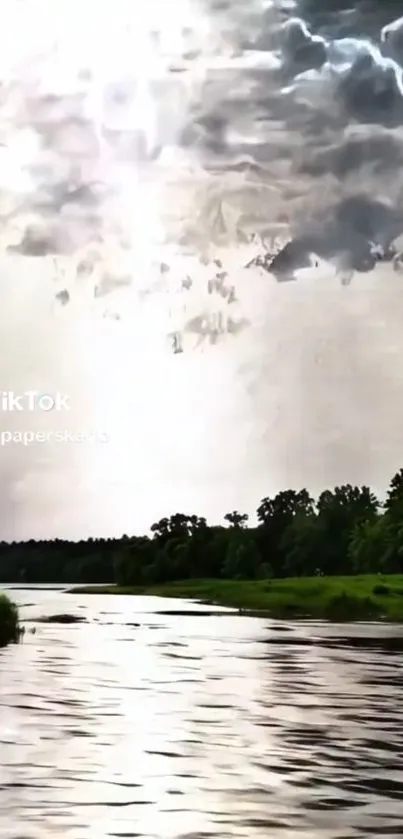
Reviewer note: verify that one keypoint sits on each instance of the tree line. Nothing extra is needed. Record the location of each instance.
(347, 530)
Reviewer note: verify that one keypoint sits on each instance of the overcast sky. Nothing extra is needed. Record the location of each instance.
(105, 152)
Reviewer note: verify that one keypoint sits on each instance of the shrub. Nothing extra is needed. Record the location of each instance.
(345, 606)
(381, 590)
(9, 626)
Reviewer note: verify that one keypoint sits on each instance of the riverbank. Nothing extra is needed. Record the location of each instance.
(371, 596)
(9, 625)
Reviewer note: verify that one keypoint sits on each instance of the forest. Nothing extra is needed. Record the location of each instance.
(346, 531)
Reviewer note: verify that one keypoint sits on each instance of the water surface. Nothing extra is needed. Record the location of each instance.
(136, 723)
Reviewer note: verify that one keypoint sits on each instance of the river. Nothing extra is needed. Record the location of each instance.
(140, 723)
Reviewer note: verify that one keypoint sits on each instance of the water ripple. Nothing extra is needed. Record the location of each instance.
(268, 729)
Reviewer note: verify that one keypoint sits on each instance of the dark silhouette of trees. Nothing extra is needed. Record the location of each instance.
(236, 519)
(393, 505)
(339, 512)
(275, 516)
(346, 531)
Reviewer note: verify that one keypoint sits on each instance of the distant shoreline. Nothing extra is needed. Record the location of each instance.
(364, 597)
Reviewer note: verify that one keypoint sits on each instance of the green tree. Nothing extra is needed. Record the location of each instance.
(394, 499)
(367, 546)
(132, 561)
(274, 517)
(301, 546)
(339, 512)
(161, 529)
(242, 558)
(236, 519)
(377, 546)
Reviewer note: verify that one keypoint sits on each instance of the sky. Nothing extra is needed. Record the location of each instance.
(135, 149)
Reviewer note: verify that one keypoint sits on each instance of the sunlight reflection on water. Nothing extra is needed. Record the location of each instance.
(198, 725)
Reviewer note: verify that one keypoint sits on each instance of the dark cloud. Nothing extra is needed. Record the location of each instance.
(301, 50)
(63, 297)
(372, 92)
(38, 243)
(285, 143)
(375, 150)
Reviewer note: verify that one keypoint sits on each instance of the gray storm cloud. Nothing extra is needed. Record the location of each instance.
(145, 160)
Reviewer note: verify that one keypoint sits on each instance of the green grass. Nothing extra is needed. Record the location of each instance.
(9, 626)
(336, 598)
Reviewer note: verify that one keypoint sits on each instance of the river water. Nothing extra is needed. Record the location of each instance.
(140, 723)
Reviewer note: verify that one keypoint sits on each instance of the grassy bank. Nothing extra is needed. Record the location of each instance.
(335, 598)
(9, 626)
